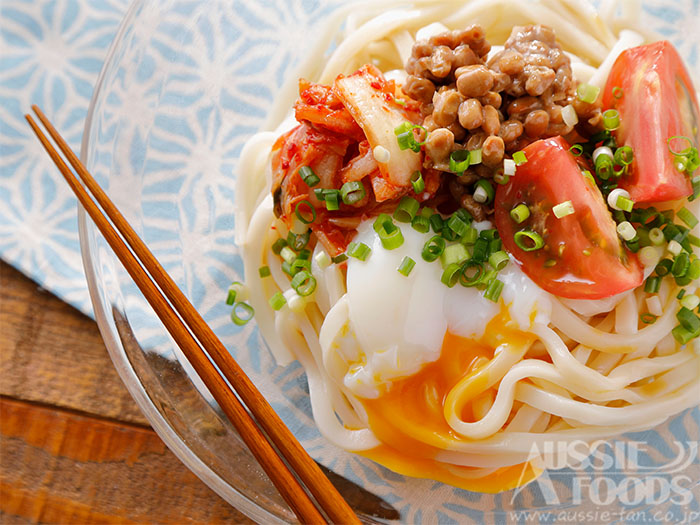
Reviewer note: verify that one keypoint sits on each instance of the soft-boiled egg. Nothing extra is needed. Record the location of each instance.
(397, 324)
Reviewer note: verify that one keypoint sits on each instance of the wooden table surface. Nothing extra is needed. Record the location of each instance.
(74, 447)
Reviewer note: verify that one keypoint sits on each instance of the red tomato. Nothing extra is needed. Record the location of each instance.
(582, 257)
(658, 102)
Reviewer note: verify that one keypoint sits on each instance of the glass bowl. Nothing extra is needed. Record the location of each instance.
(185, 84)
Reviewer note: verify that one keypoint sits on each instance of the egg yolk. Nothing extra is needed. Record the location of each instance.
(410, 421)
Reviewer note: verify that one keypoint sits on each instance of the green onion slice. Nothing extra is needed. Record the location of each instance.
(242, 313)
(687, 217)
(308, 176)
(306, 218)
(624, 156)
(304, 283)
(264, 271)
(390, 235)
(406, 266)
(647, 318)
(406, 210)
(359, 250)
(451, 274)
(587, 93)
(520, 213)
(332, 201)
(498, 260)
(420, 224)
(352, 192)
(484, 191)
(459, 161)
(680, 152)
(417, 182)
(471, 274)
(617, 92)
(611, 119)
(576, 150)
(493, 290)
(528, 241)
(433, 248)
(519, 157)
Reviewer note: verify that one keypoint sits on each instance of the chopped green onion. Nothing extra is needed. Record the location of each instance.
(288, 254)
(604, 166)
(664, 267)
(308, 176)
(454, 253)
(624, 155)
(576, 150)
(379, 222)
(611, 119)
(390, 235)
(647, 318)
(451, 274)
(501, 178)
(694, 270)
(304, 283)
(352, 192)
(498, 260)
(322, 259)
(508, 167)
(683, 152)
(433, 248)
(481, 249)
(683, 335)
(649, 255)
(417, 182)
(674, 247)
(299, 241)
(687, 217)
(359, 250)
(437, 223)
(278, 245)
(457, 225)
(489, 235)
(264, 271)
(617, 92)
(688, 320)
(690, 301)
(459, 161)
(519, 157)
(495, 246)
(693, 240)
(406, 266)
(300, 264)
(520, 213)
(470, 236)
(426, 212)
(484, 192)
(475, 157)
(624, 204)
(469, 279)
(340, 258)
(587, 93)
(656, 236)
(304, 254)
(493, 290)
(242, 313)
(626, 231)
(301, 216)
(680, 265)
(563, 209)
(420, 224)
(406, 210)
(287, 268)
(652, 285)
(277, 301)
(528, 240)
(680, 294)
(332, 201)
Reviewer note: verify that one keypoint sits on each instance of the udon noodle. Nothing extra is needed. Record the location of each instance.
(589, 372)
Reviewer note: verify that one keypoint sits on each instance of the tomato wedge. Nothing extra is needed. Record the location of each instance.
(657, 102)
(582, 257)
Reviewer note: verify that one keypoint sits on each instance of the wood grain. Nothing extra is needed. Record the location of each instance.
(74, 447)
(52, 354)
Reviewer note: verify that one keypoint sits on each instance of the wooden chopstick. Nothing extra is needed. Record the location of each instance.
(305, 468)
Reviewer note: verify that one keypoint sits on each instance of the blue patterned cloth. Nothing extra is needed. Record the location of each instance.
(51, 52)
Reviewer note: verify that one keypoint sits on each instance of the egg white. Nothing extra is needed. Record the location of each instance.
(396, 323)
